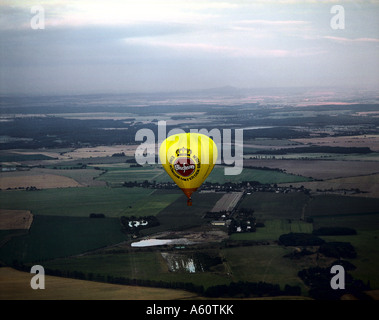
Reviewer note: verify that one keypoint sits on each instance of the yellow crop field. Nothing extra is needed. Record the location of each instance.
(101, 151)
(42, 181)
(15, 285)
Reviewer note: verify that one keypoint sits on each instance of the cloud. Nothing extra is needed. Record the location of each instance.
(71, 13)
(143, 44)
(347, 40)
(231, 51)
(275, 22)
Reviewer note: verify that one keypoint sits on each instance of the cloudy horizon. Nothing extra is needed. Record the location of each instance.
(143, 46)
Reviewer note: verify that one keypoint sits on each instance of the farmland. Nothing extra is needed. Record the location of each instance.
(81, 201)
(43, 181)
(57, 288)
(262, 176)
(262, 263)
(367, 184)
(276, 205)
(319, 169)
(116, 175)
(371, 141)
(58, 236)
(227, 202)
(273, 229)
(77, 177)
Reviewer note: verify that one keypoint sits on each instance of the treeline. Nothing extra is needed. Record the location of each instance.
(334, 231)
(274, 132)
(263, 168)
(338, 249)
(241, 289)
(54, 132)
(317, 149)
(300, 239)
(334, 249)
(245, 289)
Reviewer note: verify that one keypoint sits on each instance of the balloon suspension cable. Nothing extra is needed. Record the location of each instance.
(189, 202)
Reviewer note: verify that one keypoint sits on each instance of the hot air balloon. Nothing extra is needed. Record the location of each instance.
(188, 158)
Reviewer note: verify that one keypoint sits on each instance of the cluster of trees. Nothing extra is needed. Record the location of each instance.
(300, 239)
(334, 249)
(338, 249)
(318, 279)
(334, 231)
(120, 154)
(242, 243)
(245, 289)
(31, 188)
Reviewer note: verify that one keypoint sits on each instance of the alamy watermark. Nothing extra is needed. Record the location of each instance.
(37, 281)
(38, 20)
(146, 151)
(337, 281)
(338, 20)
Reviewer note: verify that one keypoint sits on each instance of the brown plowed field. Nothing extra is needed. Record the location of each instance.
(15, 219)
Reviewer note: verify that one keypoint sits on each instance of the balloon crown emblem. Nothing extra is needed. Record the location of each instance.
(183, 152)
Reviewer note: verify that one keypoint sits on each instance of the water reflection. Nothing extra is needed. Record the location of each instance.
(182, 263)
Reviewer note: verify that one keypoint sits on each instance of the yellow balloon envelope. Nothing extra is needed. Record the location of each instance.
(188, 158)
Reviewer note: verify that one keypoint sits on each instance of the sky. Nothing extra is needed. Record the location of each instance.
(121, 46)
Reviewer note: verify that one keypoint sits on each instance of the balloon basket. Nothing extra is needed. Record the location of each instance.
(189, 202)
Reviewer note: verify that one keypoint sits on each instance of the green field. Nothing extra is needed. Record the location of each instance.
(262, 176)
(12, 284)
(262, 263)
(332, 205)
(273, 229)
(85, 177)
(366, 242)
(62, 231)
(117, 175)
(154, 203)
(269, 205)
(75, 202)
(134, 265)
(14, 157)
(178, 216)
(52, 237)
